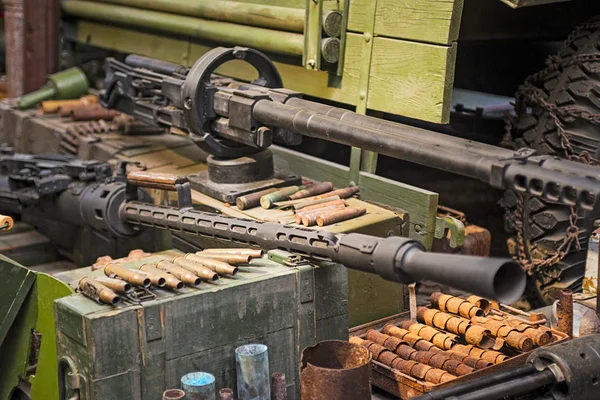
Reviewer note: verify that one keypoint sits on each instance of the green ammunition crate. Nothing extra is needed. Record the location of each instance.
(137, 351)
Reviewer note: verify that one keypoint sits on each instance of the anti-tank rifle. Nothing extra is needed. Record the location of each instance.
(82, 194)
(230, 119)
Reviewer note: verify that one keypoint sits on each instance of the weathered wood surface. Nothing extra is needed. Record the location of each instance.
(430, 21)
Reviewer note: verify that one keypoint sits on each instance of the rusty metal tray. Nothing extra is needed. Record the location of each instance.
(406, 387)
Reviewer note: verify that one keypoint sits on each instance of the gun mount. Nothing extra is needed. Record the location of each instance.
(83, 194)
(236, 121)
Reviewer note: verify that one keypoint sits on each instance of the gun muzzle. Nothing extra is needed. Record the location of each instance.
(405, 260)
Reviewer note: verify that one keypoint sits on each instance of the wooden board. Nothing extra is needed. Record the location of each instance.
(431, 21)
(420, 90)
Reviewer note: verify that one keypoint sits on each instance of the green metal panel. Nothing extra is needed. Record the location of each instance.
(15, 283)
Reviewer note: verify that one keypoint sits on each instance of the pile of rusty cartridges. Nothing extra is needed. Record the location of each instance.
(314, 204)
(453, 338)
(170, 273)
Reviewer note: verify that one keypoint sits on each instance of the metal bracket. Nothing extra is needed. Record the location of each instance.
(311, 57)
(456, 228)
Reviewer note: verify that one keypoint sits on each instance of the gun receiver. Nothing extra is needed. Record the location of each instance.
(231, 118)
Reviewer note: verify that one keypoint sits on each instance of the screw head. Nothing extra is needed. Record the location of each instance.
(367, 37)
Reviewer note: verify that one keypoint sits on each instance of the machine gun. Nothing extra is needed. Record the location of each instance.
(83, 194)
(235, 122)
(73, 202)
(569, 370)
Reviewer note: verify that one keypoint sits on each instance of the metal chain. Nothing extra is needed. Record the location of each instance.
(529, 95)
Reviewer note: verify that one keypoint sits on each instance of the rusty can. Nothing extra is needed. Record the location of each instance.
(173, 394)
(335, 370)
(335, 216)
(312, 190)
(226, 394)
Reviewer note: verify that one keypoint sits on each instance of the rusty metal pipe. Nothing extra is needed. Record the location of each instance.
(220, 267)
(254, 253)
(564, 312)
(278, 386)
(335, 370)
(170, 280)
(118, 285)
(182, 274)
(97, 291)
(128, 275)
(204, 273)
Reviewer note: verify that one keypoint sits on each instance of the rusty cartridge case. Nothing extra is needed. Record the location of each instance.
(79, 114)
(479, 336)
(441, 340)
(67, 111)
(129, 275)
(480, 302)
(414, 341)
(253, 199)
(540, 337)
(97, 291)
(332, 217)
(455, 305)
(335, 370)
(442, 320)
(278, 386)
(204, 273)
(510, 335)
(309, 218)
(118, 285)
(155, 280)
(404, 366)
(229, 258)
(220, 267)
(182, 274)
(312, 190)
(321, 205)
(253, 253)
(267, 200)
(226, 394)
(382, 339)
(564, 312)
(343, 193)
(387, 358)
(170, 280)
(52, 106)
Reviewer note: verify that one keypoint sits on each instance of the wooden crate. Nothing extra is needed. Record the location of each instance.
(405, 387)
(137, 351)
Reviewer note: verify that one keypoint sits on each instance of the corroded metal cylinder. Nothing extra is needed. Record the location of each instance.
(252, 368)
(278, 386)
(173, 394)
(335, 370)
(198, 386)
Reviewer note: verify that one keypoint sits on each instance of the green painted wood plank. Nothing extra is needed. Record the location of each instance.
(16, 282)
(431, 21)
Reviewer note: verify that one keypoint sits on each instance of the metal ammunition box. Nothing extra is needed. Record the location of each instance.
(135, 351)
